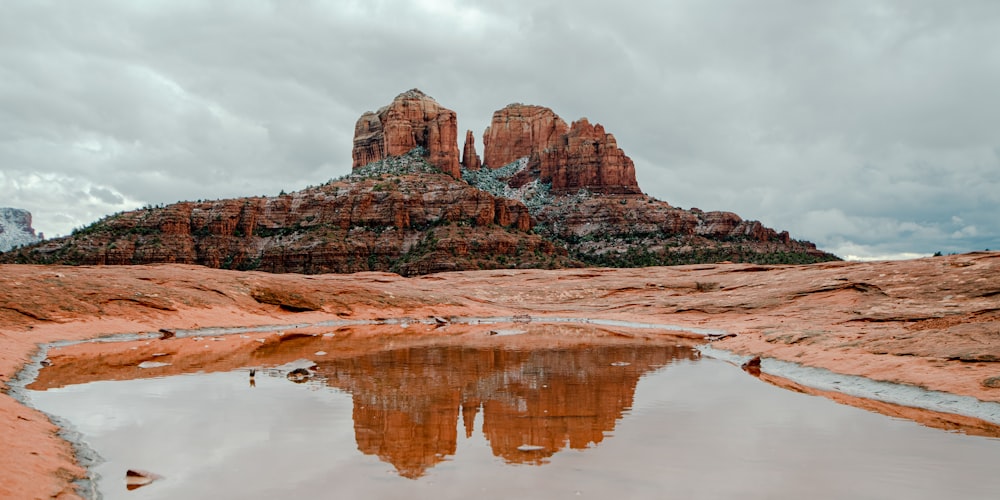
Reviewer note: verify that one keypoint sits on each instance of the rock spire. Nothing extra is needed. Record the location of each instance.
(470, 159)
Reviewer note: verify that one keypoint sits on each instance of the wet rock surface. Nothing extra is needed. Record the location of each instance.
(928, 322)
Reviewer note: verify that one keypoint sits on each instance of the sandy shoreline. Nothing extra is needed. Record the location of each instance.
(932, 323)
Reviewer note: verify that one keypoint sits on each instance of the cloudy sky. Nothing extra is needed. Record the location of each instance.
(870, 127)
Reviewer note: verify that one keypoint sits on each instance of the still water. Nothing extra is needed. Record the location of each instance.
(589, 421)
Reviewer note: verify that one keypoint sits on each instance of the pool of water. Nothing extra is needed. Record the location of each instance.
(586, 421)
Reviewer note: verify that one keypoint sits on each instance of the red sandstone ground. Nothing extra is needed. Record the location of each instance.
(931, 322)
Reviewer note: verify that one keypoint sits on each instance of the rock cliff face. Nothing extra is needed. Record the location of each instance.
(586, 157)
(470, 159)
(399, 215)
(412, 119)
(15, 228)
(636, 230)
(582, 156)
(520, 130)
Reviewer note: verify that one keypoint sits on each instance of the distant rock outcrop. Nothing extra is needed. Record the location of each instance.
(636, 231)
(470, 159)
(15, 228)
(413, 119)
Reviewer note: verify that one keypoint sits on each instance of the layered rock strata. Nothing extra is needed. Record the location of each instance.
(636, 231)
(412, 120)
(581, 156)
(520, 130)
(398, 212)
(586, 157)
(409, 223)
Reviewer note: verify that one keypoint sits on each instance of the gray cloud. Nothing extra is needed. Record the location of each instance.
(866, 126)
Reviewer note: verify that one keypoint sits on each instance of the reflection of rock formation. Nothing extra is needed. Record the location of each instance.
(558, 398)
(412, 440)
(407, 403)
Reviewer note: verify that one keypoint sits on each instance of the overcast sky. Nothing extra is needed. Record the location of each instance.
(869, 127)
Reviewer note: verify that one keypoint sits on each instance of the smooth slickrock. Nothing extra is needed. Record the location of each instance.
(413, 119)
(930, 322)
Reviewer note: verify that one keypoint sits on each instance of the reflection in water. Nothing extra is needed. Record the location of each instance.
(407, 402)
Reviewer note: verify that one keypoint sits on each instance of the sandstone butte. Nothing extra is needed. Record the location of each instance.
(930, 322)
(580, 156)
(597, 210)
(412, 119)
(407, 208)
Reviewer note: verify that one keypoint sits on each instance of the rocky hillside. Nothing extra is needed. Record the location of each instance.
(626, 230)
(15, 228)
(399, 214)
(581, 189)
(545, 194)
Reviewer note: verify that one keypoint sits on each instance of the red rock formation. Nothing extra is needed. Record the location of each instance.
(412, 119)
(617, 225)
(404, 217)
(470, 159)
(519, 130)
(586, 158)
(730, 225)
(410, 224)
(582, 156)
